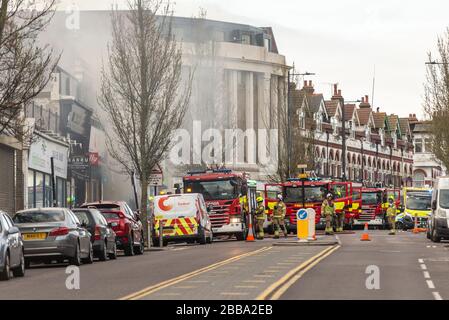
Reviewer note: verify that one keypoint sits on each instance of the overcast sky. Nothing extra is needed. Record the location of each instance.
(341, 41)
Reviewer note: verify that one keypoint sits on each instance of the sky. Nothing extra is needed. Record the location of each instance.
(348, 42)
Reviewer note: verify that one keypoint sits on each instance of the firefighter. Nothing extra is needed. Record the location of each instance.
(328, 209)
(260, 216)
(278, 217)
(391, 215)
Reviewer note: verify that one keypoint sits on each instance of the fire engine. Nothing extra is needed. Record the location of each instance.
(306, 192)
(374, 205)
(223, 191)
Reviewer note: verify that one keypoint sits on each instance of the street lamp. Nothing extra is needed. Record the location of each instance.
(289, 109)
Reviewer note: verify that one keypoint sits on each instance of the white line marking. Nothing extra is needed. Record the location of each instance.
(421, 260)
(430, 284)
(423, 267)
(437, 296)
(428, 246)
(426, 275)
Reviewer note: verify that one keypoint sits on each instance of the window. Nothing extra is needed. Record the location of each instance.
(48, 191)
(246, 39)
(83, 216)
(39, 202)
(31, 190)
(39, 216)
(428, 145)
(444, 199)
(418, 146)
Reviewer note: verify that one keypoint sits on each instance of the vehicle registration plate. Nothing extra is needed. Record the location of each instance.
(34, 236)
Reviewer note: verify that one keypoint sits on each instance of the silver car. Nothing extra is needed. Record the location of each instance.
(51, 234)
(11, 249)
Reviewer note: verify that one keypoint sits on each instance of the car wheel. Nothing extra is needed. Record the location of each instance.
(103, 256)
(202, 238)
(90, 258)
(140, 249)
(435, 237)
(20, 270)
(129, 248)
(113, 254)
(400, 225)
(5, 274)
(76, 259)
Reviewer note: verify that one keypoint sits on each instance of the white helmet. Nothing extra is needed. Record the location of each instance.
(329, 195)
(280, 197)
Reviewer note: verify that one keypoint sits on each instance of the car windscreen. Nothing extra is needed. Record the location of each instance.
(106, 206)
(311, 194)
(214, 190)
(419, 201)
(370, 198)
(110, 215)
(39, 216)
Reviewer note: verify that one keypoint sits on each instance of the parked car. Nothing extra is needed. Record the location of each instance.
(53, 234)
(11, 249)
(438, 225)
(102, 235)
(125, 223)
(184, 218)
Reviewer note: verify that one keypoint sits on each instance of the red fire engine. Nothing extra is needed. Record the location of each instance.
(309, 193)
(221, 190)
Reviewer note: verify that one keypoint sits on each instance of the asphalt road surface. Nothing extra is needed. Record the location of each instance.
(410, 267)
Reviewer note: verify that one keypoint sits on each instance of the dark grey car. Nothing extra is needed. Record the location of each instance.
(11, 249)
(102, 235)
(53, 234)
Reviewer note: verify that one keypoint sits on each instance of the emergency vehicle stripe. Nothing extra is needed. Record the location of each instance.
(186, 227)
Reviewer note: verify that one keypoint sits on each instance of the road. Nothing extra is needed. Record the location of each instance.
(411, 267)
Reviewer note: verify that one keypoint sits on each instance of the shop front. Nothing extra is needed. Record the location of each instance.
(39, 181)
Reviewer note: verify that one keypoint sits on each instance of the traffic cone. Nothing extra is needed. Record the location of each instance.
(250, 236)
(365, 235)
(416, 229)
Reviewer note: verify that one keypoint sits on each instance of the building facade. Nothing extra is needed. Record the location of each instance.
(379, 149)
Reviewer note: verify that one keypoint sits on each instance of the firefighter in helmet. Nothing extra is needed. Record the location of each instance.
(391, 215)
(328, 210)
(279, 216)
(260, 217)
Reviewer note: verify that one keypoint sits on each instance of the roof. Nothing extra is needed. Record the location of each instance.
(404, 124)
(349, 111)
(331, 107)
(364, 115)
(422, 126)
(314, 101)
(379, 119)
(393, 122)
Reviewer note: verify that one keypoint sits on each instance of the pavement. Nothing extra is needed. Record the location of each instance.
(409, 265)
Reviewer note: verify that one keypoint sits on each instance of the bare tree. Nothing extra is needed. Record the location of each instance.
(302, 139)
(142, 90)
(436, 100)
(25, 68)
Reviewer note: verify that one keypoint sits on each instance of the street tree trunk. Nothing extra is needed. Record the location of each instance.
(144, 214)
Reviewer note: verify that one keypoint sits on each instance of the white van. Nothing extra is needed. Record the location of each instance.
(439, 219)
(184, 218)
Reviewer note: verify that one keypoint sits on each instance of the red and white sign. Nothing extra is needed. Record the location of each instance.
(94, 158)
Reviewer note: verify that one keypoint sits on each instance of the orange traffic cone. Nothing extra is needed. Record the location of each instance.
(416, 229)
(250, 236)
(365, 235)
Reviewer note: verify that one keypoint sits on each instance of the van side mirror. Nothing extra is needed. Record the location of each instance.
(434, 205)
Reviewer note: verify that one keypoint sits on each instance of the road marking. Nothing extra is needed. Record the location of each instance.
(234, 293)
(277, 289)
(245, 287)
(437, 296)
(423, 267)
(254, 281)
(426, 275)
(154, 288)
(263, 276)
(430, 284)
(285, 263)
(184, 287)
(421, 260)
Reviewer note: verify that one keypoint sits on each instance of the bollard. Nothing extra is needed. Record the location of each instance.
(312, 227)
(302, 225)
(161, 233)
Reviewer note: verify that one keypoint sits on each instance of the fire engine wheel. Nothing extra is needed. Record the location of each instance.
(242, 235)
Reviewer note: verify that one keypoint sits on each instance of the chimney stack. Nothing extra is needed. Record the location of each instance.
(308, 87)
(365, 103)
(337, 95)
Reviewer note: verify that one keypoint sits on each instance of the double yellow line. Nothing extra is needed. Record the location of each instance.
(277, 289)
(154, 288)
